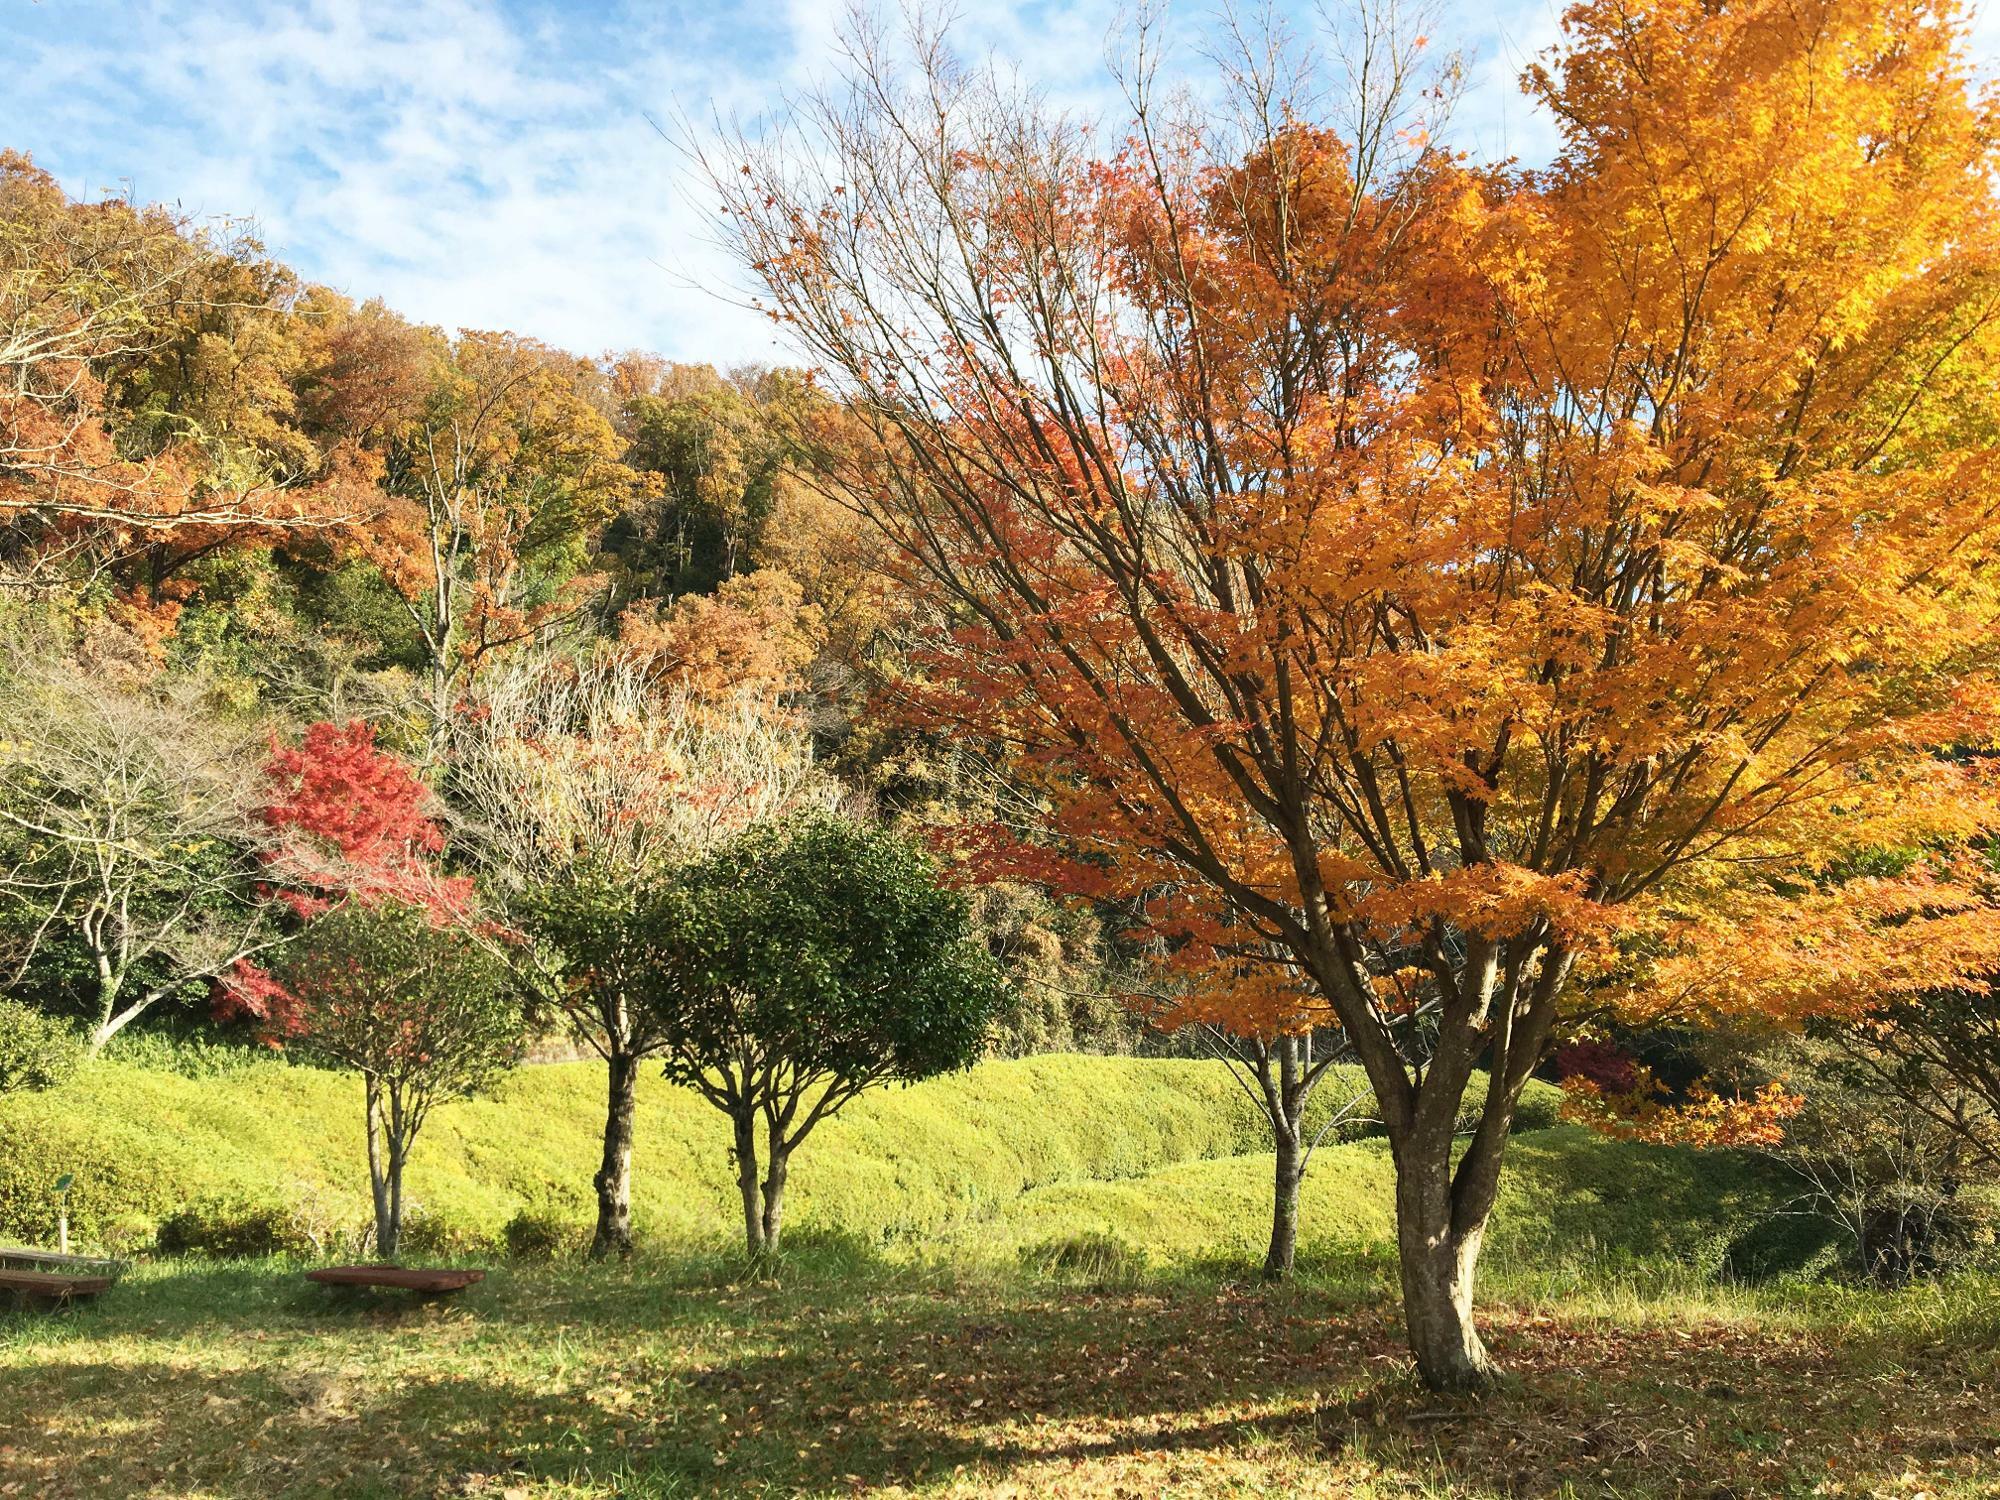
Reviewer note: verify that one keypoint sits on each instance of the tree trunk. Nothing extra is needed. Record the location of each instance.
(1438, 1262)
(1284, 1095)
(378, 1176)
(746, 1183)
(1437, 1306)
(614, 1175)
(1444, 1196)
(397, 1154)
(110, 1020)
(1285, 1205)
(774, 1194)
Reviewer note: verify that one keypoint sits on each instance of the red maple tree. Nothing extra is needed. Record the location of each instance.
(352, 824)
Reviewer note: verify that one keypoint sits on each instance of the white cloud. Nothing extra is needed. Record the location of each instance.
(426, 152)
(485, 166)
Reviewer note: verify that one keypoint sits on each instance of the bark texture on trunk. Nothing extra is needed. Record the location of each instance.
(1441, 1214)
(614, 1173)
(774, 1195)
(1502, 1010)
(1285, 1206)
(1437, 1274)
(395, 1199)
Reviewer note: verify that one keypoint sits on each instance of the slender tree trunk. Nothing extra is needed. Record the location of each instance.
(1285, 1205)
(614, 1174)
(1283, 1095)
(399, 1134)
(440, 707)
(378, 1176)
(746, 1182)
(774, 1194)
(1285, 1104)
(397, 1153)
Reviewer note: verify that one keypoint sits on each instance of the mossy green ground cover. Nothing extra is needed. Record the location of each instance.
(846, 1374)
(1034, 1279)
(906, 1164)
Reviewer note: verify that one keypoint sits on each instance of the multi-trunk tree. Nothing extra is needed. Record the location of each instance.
(1463, 580)
(794, 968)
(422, 1015)
(581, 783)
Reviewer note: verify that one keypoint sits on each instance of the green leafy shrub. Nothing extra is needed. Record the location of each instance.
(440, 1234)
(1791, 1246)
(1092, 1256)
(128, 1234)
(544, 1232)
(237, 1228)
(171, 1045)
(121, 1164)
(1540, 1108)
(37, 1051)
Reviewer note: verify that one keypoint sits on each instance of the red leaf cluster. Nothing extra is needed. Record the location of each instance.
(353, 825)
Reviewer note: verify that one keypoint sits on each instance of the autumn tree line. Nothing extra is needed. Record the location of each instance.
(361, 686)
(1346, 599)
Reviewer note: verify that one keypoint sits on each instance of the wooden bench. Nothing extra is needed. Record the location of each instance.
(25, 1258)
(425, 1282)
(51, 1287)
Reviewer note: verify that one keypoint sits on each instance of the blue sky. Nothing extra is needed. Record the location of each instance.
(493, 164)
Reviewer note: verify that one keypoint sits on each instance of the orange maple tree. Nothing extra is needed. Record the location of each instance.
(754, 635)
(1483, 589)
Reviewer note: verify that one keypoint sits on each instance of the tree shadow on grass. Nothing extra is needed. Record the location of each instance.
(894, 1390)
(249, 1381)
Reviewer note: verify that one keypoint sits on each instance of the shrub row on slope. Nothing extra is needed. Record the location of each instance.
(1569, 1199)
(145, 1144)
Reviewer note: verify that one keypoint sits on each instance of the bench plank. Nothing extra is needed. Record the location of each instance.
(24, 1257)
(410, 1278)
(53, 1285)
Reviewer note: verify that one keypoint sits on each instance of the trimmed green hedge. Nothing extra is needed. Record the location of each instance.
(281, 1145)
(1568, 1198)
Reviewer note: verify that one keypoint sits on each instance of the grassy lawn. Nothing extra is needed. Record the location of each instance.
(847, 1373)
(1041, 1283)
